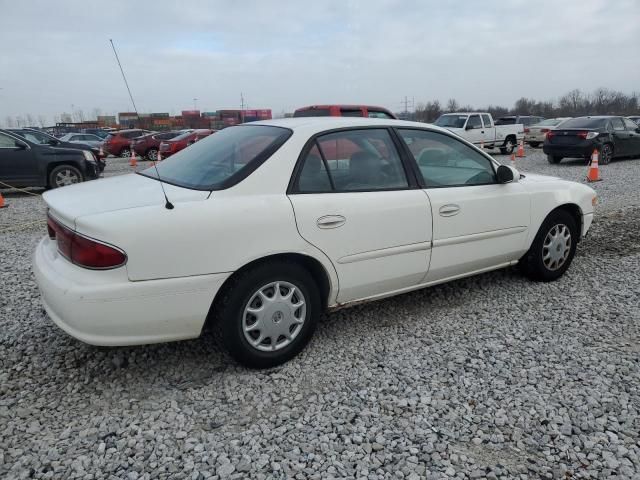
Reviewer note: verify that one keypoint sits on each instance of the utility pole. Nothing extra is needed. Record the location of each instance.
(406, 102)
(241, 108)
(195, 105)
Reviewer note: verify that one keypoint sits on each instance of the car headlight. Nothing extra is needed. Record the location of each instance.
(88, 156)
(591, 135)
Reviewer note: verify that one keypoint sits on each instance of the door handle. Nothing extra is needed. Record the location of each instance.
(449, 210)
(331, 221)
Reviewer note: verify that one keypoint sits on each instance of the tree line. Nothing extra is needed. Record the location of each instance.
(575, 103)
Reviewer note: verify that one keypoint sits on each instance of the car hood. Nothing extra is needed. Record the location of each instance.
(535, 178)
(115, 193)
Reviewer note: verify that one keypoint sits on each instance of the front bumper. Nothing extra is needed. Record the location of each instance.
(102, 307)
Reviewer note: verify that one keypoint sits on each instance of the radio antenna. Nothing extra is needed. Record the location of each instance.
(168, 205)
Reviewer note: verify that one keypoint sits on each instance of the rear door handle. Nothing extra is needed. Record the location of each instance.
(331, 221)
(449, 210)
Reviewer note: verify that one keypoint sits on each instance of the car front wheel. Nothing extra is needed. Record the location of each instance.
(152, 154)
(64, 175)
(606, 153)
(552, 249)
(268, 314)
(125, 153)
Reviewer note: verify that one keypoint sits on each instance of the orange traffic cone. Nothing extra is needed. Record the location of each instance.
(2, 204)
(513, 159)
(133, 162)
(482, 145)
(521, 149)
(594, 171)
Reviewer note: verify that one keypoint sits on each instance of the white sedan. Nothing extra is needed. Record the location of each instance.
(261, 227)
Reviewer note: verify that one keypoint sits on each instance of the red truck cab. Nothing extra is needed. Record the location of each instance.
(343, 111)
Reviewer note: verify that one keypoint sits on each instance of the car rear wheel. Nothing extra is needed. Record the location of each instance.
(268, 314)
(508, 147)
(152, 154)
(606, 153)
(64, 175)
(125, 152)
(553, 159)
(552, 249)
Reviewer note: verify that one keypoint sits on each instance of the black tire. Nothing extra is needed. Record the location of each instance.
(229, 312)
(554, 159)
(152, 154)
(606, 154)
(125, 152)
(64, 175)
(534, 144)
(532, 263)
(508, 147)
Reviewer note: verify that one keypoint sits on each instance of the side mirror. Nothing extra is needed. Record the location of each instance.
(468, 127)
(20, 145)
(53, 142)
(507, 174)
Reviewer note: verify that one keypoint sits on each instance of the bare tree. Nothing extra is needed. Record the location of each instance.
(66, 117)
(10, 121)
(95, 113)
(30, 120)
(42, 121)
(452, 105)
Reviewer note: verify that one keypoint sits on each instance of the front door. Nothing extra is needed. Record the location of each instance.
(354, 201)
(477, 222)
(17, 164)
(474, 131)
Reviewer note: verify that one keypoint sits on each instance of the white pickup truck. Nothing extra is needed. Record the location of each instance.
(479, 128)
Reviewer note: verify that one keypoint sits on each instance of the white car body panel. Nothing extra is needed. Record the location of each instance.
(178, 259)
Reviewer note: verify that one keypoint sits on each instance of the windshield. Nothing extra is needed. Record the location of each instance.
(451, 121)
(312, 112)
(585, 122)
(219, 160)
(183, 136)
(36, 137)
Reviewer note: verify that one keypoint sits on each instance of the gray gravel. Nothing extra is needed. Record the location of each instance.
(488, 377)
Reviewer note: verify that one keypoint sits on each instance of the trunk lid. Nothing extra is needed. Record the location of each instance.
(567, 136)
(115, 193)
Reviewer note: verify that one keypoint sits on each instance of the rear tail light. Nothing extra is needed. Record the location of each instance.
(84, 251)
(544, 130)
(550, 134)
(526, 130)
(582, 134)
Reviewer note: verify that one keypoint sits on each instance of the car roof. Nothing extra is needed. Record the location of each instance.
(342, 105)
(312, 125)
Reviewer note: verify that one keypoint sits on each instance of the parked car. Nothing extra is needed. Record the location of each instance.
(174, 145)
(535, 134)
(612, 136)
(119, 143)
(149, 145)
(83, 138)
(41, 138)
(478, 128)
(635, 118)
(24, 163)
(525, 120)
(343, 111)
(266, 224)
(100, 132)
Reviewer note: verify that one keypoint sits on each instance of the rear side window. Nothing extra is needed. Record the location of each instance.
(351, 112)
(221, 160)
(378, 114)
(6, 141)
(630, 124)
(353, 160)
(447, 162)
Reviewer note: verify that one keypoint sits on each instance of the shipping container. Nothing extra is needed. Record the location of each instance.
(160, 115)
(209, 114)
(191, 113)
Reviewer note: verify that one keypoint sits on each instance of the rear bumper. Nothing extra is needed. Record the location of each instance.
(577, 151)
(105, 308)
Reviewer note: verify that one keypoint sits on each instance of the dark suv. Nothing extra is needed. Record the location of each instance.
(27, 164)
(42, 138)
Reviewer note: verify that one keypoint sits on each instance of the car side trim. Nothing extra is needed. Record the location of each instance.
(385, 252)
(443, 242)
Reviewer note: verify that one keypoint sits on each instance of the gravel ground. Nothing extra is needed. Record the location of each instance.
(488, 377)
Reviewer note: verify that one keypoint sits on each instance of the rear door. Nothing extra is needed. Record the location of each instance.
(17, 165)
(478, 223)
(355, 200)
(622, 138)
(634, 134)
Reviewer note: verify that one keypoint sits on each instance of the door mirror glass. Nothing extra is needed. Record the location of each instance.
(506, 174)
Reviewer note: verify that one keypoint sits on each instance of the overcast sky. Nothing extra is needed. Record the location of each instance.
(285, 54)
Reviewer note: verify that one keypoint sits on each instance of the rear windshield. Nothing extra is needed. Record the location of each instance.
(312, 112)
(506, 121)
(222, 159)
(551, 122)
(451, 121)
(585, 122)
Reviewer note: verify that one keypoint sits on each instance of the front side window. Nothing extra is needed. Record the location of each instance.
(617, 124)
(447, 162)
(474, 121)
(218, 161)
(451, 121)
(354, 160)
(6, 141)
